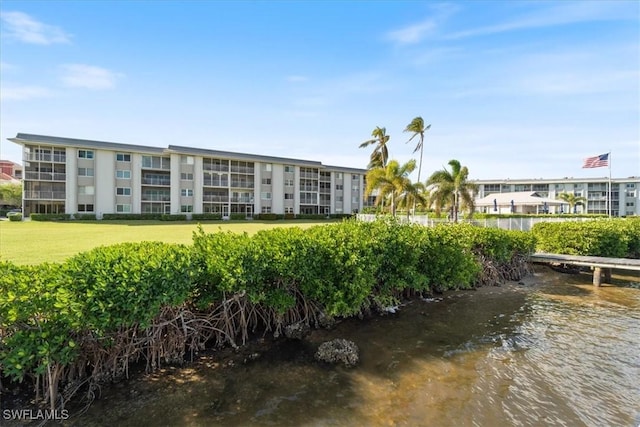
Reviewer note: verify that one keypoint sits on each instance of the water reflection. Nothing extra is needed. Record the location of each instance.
(558, 353)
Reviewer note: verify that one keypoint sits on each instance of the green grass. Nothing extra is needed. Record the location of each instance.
(34, 242)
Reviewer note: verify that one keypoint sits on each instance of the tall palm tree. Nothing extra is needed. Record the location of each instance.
(380, 154)
(412, 194)
(417, 127)
(389, 182)
(452, 189)
(572, 200)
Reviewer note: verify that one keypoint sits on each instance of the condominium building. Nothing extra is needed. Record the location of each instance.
(65, 175)
(625, 192)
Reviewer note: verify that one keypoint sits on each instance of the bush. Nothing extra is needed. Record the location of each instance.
(268, 216)
(237, 216)
(132, 216)
(15, 216)
(206, 217)
(311, 216)
(173, 217)
(85, 217)
(606, 237)
(50, 217)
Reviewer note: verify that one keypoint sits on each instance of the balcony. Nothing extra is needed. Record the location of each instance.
(215, 168)
(156, 181)
(311, 175)
(242, 184)
(241, 199)
(309, 188)
(44, 176)
(156, 198)
(215, 198)
(242, 169)
(55, 158)
(44, 195)
(216, 182)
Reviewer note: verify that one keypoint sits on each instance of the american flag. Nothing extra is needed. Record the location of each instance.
(596, 161)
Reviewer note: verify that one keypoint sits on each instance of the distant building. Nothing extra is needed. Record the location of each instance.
(10, 170)
(625, 193)
(65, 175)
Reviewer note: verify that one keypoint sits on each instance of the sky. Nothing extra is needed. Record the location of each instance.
(512, 89)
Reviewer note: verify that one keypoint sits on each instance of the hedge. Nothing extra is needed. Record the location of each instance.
(15, 216)
(50, 217)
(617, 238)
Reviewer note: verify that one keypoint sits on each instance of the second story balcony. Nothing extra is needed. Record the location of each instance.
(44, 195)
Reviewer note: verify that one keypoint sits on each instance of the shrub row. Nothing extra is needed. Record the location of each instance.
(618, 238)
(103, 308)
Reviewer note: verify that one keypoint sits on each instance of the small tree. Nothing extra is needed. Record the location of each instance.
(572, 200)
(11, 194)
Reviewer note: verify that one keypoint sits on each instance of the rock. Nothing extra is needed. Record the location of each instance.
(297, 331)
(325, 321)
(338, 351)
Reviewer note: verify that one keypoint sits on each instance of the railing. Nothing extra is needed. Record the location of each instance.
(215, 168)
(216, 182)
(55, 158)
(45, 195)
(155, 198)
(241, 199)
(242, 184)
(214, 198)
(156, 181)
(305, 201)
(45, 176)
(242, 169)
(308, 175)
(308, 188)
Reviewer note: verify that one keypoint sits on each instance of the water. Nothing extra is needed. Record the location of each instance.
(558, 352)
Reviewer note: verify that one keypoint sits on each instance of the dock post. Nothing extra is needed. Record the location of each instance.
(607, 275)
(597, 276)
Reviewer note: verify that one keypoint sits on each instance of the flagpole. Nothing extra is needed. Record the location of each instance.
(610, 199)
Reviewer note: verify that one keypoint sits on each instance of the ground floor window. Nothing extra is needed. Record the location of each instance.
(124, 208)
(85, 208)
(186, 208)
(266, 209)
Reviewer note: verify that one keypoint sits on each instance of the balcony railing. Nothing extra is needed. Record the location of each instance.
(242, 169)
(44, 195)
(156, 181)
(242, 184)
(214, 198)
(308, 188)
(155, 198)
(215, 168)
(308, 175)
(44, 176)
(55, 158)
(216, 182)
(241, 199)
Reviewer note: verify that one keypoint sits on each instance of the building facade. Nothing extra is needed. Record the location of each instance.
(74, 176)
(625, 192)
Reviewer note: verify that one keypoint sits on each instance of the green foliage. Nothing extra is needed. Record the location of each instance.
(15, 216)
(50, 217)
(11, 193)
(607, 237)
(268, 216)
(173, 217)
(237, 216)
(310, 216)
(132, 217)
(206, 217)
(85, 217)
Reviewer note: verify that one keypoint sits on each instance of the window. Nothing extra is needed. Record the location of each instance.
(122, 157)
(186, 208)
(266, 167)
(266, 181)
(355, 199)
(288, 182)
(339, 198)
(288, 210)
(122, 174)
(265, 196)
(85, 208)
(356, 177)
(186, 160)
(289, 168)
(266, 209)
(86, 190)
(186, 176)
(155, 162)
(123, 191)
(85, 171)
(339, 175)
(186, 192)
(85, 154)
(339, 186)
(123, 208)
(288, 196)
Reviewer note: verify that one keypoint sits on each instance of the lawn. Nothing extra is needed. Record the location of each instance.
(34, 242)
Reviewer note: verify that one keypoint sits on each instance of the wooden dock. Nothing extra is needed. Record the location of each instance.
(598, 264)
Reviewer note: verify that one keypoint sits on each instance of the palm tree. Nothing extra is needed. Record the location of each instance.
(380, 153)
(389, 181)
(412, 194)
(573, 200)
(417, 127)
(452, 190)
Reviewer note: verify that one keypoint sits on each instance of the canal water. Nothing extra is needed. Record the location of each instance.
(550, 351)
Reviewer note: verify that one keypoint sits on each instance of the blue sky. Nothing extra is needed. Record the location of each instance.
(512, 89)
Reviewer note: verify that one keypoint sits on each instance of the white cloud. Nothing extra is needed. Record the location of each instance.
(562, 13)
(22, 92)
(22, 27)
(413, 33)
(89, 76)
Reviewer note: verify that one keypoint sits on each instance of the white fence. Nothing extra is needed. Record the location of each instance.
(523, 224)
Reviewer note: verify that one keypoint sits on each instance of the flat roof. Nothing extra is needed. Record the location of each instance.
(27, 138)
(552, 181)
